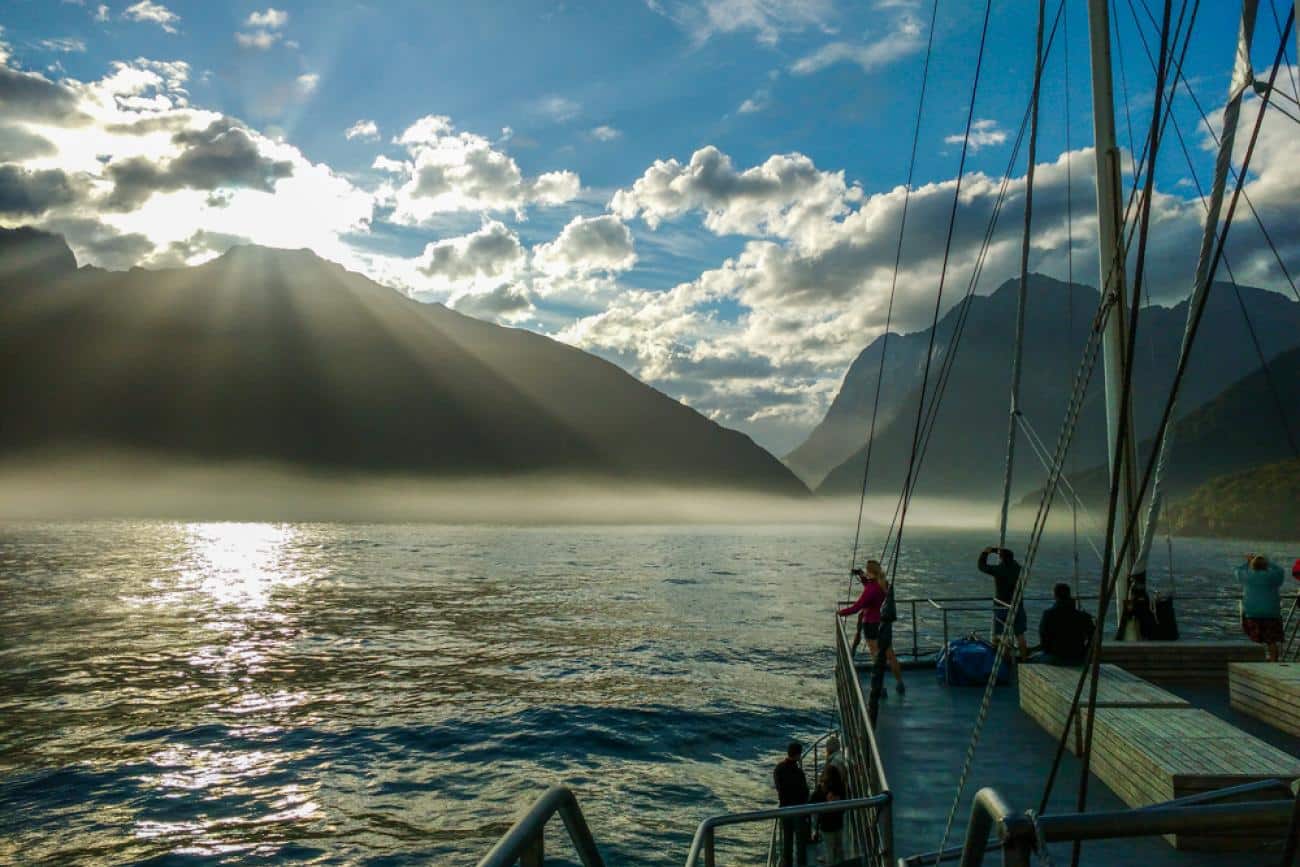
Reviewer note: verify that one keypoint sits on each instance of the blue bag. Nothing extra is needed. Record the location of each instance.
(968, 662)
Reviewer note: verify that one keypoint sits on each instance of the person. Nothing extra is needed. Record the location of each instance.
(1065, 632)
(874, 592)
(791, 791)
(831, 787)
(1261, 608)
(835, 756)
(1006, 572)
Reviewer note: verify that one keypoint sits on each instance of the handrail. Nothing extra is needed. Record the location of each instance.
(1277, 786)
(702, 844)
(873, 841)
(1022, 833)
(523, 842)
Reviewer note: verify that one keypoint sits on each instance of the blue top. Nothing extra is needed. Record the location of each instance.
(1260, 589)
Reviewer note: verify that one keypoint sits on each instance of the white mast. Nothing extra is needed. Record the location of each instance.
(1113, 284)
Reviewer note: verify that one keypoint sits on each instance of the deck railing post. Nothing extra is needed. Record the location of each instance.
(915, 650)
(534, 854)
(708, 848)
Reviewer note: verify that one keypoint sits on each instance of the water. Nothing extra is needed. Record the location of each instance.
(343, 693)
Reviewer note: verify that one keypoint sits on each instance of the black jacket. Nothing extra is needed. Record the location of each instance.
(1005, 575)
(791, 785)
(1066, 632)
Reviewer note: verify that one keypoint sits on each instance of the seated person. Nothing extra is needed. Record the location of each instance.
(1065, 632)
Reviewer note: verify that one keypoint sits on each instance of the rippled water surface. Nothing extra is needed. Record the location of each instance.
(211, 693)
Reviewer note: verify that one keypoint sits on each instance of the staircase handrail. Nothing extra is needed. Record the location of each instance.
(522, 844)
(702, 844)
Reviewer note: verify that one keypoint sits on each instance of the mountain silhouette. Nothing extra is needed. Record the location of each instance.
(279, 355)
(967, 452)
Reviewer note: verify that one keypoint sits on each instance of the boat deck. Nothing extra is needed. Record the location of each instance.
(923, 738)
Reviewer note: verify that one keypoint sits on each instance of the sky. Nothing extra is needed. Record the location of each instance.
(705, 192)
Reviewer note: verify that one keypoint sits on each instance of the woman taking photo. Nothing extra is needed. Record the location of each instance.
(874, 592)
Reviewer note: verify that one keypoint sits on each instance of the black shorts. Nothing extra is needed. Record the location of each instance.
(869, 631)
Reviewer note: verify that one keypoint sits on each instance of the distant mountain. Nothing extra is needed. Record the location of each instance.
(1239, 429)
(1260, 503)
(967, 453)
(279, 355)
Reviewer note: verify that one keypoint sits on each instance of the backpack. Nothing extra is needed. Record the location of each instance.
(968, 662)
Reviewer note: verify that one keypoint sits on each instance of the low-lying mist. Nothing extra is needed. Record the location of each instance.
(130, 486)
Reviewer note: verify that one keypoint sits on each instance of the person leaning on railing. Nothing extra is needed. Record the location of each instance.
(1261, 608)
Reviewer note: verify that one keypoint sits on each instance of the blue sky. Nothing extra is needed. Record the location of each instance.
(512, 160)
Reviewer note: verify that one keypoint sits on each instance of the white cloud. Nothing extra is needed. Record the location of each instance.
(904, 38)
(605, 133)
(460, 171)
(756, 103)
(983, 133)
(558, 108)
(264, 29)
(767, 19)
(134, 175)
(588, 244)
(787, 196)
(65, 45)
(260, 40)
(479, 261)
(366, 130)
(101, 12)
(271, 19)
(307, 83)
(147, 10)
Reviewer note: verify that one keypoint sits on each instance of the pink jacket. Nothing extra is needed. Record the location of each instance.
(873, 596)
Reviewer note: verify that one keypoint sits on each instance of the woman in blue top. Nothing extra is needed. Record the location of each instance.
(1261, 609)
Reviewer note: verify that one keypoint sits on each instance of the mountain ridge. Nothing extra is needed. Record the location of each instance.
(281, 355)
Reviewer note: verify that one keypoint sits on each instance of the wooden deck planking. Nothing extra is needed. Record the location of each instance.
(1181, 662)
(1268, 691)
(1148, 755)
(1046, 692)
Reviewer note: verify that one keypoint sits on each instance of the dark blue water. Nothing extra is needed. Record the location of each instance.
(221, 693)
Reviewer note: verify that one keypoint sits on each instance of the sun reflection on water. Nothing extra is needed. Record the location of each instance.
(241, 564)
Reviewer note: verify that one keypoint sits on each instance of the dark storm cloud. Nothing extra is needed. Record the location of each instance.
(25, 193)
(97, 242)
(17, 144)
(490, 305)
(28, 96)
(220, 156)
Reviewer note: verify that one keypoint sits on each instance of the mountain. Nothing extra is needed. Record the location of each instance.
(1241, 428)
(279, 355)
(967, 452)
(1259, 503)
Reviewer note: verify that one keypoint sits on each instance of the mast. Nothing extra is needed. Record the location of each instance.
(1113, 262)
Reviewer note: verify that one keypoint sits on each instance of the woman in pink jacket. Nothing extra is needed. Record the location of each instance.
(874, 591)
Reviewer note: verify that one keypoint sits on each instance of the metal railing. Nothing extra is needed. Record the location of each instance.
(936, 620)
(1021, 835)
(1260, 787)
(703, 844)
(523, 843)
(872, 837)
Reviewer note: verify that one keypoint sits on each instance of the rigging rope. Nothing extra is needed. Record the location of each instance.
(1108, 580)
(1126, 391)
(1069, 282)
(1023, 291)
(1232, 278)
(1082, 380)
(893, 288)
(943, 274)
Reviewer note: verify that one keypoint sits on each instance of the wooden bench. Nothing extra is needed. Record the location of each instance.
(1047, 690)
(1267, 690)
(1177, 663)
(1150, 755)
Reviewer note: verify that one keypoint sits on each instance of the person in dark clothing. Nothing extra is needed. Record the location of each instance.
(1065, 631)
(1006, 572)
(831, 787)
(791, 791)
